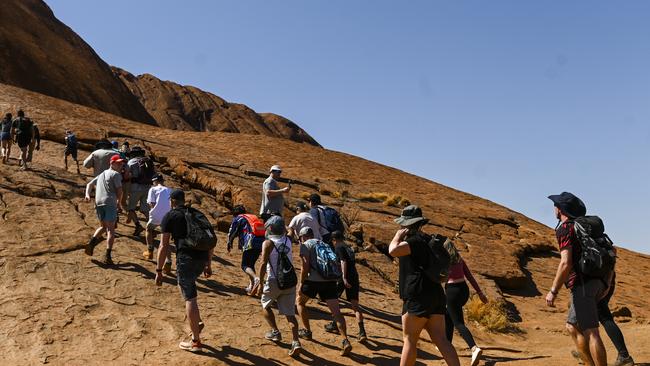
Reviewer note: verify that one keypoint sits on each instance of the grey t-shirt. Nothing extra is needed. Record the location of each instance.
(99, 160)
(271, 204)
(106, 186)
(308, 248)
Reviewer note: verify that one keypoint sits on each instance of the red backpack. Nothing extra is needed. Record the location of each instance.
(256, 224)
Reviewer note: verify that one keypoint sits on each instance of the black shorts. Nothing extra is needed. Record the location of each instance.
(326, 290)
(351, 293)
(23, 141)
(583, 312)
(188, 270)
(70, 151)
(426, 306)
(249, 257)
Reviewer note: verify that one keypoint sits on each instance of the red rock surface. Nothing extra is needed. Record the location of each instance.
(40, 53)
(188, 108)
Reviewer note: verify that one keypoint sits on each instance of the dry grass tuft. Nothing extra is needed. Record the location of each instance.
(341, 194)
(373, 197)
(493, 315)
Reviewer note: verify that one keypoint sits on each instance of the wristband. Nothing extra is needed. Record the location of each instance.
(554, 292)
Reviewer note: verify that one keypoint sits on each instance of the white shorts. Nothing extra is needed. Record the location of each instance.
(286, 299)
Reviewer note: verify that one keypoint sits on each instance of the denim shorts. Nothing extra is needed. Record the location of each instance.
(106, 213)
(188, 270)
(4, 136)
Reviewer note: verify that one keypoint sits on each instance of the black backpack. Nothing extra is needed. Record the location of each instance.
(286, 273)
(24, 126)
(332, 219)
(437, 266)
(200, 234)
(597, 255)
(146, 170)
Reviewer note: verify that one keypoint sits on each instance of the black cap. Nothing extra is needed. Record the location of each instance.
(301, 206)
(177, 194)
(157, 177)
(238, 210)
(569, 204)
(338, 235)
(314, 198)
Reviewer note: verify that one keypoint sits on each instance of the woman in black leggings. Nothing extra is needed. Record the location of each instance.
(457, 295)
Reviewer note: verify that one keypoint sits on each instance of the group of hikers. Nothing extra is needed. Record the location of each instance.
(22, 131)
(432, 274)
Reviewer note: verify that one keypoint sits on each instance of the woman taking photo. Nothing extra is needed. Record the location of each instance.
(424, 300)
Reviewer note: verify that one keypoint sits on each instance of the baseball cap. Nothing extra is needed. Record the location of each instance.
(275, 224)
(177, 194)
(306, 231)
(275, 168)
(156, 177)
(116, 159)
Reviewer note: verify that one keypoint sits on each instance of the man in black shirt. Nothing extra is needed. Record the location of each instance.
(424, 301)
(189, 265)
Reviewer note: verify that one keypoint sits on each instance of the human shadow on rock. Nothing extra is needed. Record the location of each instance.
(224, 355)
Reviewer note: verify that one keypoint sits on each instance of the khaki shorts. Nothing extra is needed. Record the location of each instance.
(138, 198)
(286, 299)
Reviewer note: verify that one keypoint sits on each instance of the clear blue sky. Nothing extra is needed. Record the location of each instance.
(508, 100)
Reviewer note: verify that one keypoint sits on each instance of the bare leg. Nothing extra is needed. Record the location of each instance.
(193, 316)
(596, 346)
(303, 312)
(357, 311)
(581, 344)
(333, 305)
(99, 232)
(293, 323)
(436, 329)
(270, 317)
(411, 327)
(110, 237)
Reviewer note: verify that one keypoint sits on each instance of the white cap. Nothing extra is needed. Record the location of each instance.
(275, 168)
(306, 231)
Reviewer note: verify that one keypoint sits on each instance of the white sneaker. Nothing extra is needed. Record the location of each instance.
(476, 355)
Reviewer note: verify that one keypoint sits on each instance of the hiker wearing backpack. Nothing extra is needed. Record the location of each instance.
(71, 148)
(108, 191)
(320, 272)
(349, 283)
(6, 137)
(35, 143)
(250, 231)
(195, 241)
(99, 160)
(272, 194)
(423, 265)
(586, 290)
(24, 133)
(327, 217)
(303, 219)
(280, 285)
(457, 293)
(159, 205)
(141, 171)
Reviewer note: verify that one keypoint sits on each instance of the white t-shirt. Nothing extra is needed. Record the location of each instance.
(158, 195)
(304, 219)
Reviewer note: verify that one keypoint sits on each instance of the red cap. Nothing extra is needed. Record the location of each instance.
(116, 159)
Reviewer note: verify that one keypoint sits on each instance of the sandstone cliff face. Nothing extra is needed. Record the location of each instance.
(188, 108)
(40, 53)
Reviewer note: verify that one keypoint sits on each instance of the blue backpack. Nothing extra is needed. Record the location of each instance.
(332, 219)
(327, 262)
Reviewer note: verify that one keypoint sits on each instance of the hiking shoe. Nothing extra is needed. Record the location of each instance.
(304, 334)
(191, 345)
(138, 230)
(346, 347)
(108, 260)
(148, 254)
(90, 247)
(295, 350)
(624, 361)
(362, 335)
(331, 327)
(167, 268)
(476, 355)
(273, 335)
